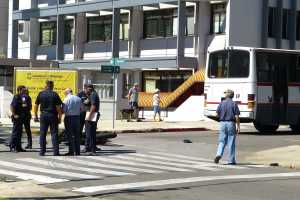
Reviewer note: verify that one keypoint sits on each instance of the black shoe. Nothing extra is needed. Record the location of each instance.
(234, 163)
(217, 159)
(56, 154)
(21, 150)
(28, 146)
(69, 154)
(97, 149)
(41, 154)
(86, 150)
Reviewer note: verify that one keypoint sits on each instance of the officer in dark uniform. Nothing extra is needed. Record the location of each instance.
(92, 117)
(27, 105)
(86, 107)
(51, 112)
(17, 119)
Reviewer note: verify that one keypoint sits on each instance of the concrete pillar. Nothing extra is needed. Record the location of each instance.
(14, 39)
(202, 30)
(80, 29)
(293, 24)
(181, 30)
(115, 33)
(60, 37)
(264, 28)
(279, 23)
(136, 22)
(15, 4)
(34, 32)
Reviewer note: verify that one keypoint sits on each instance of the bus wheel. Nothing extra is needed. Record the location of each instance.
(295, 128)
(265, 128)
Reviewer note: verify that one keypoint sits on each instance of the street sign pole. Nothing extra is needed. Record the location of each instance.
(115, 100)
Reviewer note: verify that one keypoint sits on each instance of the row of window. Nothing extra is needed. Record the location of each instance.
(285, 23)
(157, 23)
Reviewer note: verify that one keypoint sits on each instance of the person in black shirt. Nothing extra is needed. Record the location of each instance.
(17, 119)
(91, 120)
(27, 105)
(86, 107)
(51, 112)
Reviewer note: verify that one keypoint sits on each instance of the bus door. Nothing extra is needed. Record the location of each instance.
(280, 88)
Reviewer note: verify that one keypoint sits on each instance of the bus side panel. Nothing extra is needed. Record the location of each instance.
(264, 104)
(293, 109)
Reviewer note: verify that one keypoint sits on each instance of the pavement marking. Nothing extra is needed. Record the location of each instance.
(65, 166)
(26, 176)
(203, 167)
(118, 161)
(143, 185)
(181, 156)
(45, 170)
(97, 164)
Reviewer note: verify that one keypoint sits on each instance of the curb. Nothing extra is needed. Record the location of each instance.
(155, 130)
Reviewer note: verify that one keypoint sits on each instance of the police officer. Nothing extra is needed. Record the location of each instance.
(86, 104)
(51, 112)
(92, 117)
(27, 105)
(71, 107)
(17, 119)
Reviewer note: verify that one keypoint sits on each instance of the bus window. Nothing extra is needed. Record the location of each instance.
(294, 69)
(229, 64)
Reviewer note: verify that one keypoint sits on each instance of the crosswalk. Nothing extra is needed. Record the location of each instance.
(55, 169)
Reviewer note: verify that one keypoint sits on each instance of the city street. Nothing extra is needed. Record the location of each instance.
(146, 166)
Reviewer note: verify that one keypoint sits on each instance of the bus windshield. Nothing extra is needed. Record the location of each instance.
(229, 64)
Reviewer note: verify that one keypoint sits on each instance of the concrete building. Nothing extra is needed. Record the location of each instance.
(3, 28)
(163, 42)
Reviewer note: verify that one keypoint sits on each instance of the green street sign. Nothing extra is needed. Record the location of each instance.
(116, 61)
(110, 69)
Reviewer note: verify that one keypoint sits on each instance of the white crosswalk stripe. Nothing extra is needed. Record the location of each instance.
(66, 166)
(45, 170)
(55, 169)
(26, 176)
(208, 168)
(118, 161)
(110, 166)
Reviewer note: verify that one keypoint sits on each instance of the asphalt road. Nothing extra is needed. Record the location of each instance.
(161, 166)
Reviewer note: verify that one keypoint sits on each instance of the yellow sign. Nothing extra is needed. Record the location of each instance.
(35, 80)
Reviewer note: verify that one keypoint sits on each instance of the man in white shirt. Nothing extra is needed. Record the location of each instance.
(72, 106)
(156, 104)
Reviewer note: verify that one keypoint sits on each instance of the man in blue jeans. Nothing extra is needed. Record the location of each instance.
(228, 113)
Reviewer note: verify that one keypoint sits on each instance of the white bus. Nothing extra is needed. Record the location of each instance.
(266, 83)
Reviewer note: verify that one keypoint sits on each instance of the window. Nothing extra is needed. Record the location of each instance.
(272, 22)
(163, 23)
(127, 80)
(286, 16)
(229, 64)
(100, 28)
(298, 26)
(47, 33)
(166, 81)
(21, 27)
(218, 18)
(69, 31)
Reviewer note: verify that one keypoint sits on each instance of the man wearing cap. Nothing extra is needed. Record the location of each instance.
(133, 96)
(156, 104)
(228, 113)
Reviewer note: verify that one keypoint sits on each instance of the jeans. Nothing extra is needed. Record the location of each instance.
(46, 120)
(72, 125)
(227, 137)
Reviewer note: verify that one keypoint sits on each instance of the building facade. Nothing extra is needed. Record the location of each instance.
(3, 28)
(162, 42)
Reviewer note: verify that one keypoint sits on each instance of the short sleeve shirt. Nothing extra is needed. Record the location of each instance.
(227, 110)
(85, 101)
(48, 100)
(156, 100)
(72, 105)
(95, 100)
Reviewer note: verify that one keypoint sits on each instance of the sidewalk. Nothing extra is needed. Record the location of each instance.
(145, 126)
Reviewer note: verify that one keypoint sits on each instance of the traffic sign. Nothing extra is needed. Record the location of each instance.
(116, 61)
(110, 69)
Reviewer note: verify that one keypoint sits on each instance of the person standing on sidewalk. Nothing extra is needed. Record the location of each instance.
(17, 119)
(156, 104)
(51, 112)
(86, 104)
(91, 120)
(27, 105)
(228, 113)
(133, 96)
(72, 107)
